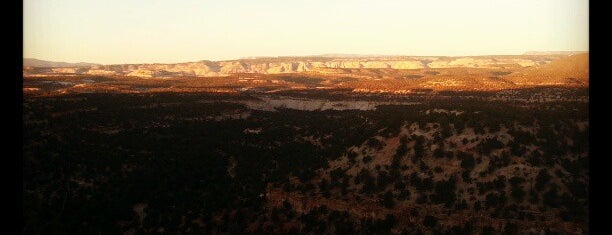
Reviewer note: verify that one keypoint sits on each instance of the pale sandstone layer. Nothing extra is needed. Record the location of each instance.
(279, 65)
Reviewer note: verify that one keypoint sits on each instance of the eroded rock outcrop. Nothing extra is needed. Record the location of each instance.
(303, 64)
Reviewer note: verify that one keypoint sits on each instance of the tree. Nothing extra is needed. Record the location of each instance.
(401, 150)
(551, 197)
(438, 153)
(386, 200)
(351, 156)
(369, 183)
(383, 180)
(466, 177)
(390, 221)
(374, 143)
(510, 229)
(495, 200)
(430, 221)
(404, 195)
(516, 181)
(500, 182)
(444, 192)
(534, 197)
(399, 185)
(467, 161)
(486, 146)
(324, 188)
(542, 179)
(517, 193)
(419, 150)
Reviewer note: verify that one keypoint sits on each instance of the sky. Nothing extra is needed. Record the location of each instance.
(171, 31)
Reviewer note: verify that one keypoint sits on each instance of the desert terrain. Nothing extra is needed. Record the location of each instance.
(397, 75)
(309, 145)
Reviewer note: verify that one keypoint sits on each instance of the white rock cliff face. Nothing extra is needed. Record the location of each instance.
(296, 65)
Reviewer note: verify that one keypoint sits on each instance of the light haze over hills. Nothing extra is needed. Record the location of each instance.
(31, 62)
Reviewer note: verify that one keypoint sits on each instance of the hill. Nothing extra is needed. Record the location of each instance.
(573, 69)
(30, 62)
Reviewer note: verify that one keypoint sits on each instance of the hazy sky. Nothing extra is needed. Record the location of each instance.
(166, 31)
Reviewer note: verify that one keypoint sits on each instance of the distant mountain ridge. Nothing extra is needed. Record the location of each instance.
(324, 64)
(31, 62)
(554, 52)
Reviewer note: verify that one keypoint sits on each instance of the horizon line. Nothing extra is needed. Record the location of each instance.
(327, 55)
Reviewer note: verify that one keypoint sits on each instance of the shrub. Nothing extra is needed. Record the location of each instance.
(542, 179)
(518, 194)
(430, 221)
(495, 200)
(386, 200)
(467, 161)
(444, 192)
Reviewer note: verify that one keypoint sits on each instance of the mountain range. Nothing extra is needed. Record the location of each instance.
(31, 62)
(280, 65)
